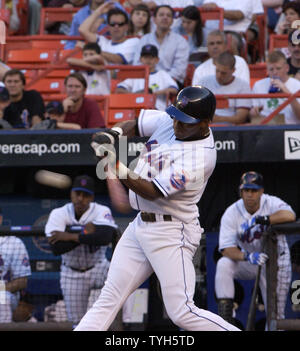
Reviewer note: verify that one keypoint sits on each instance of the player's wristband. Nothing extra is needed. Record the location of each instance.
(265, 220)
(83, 231)
(246, 255)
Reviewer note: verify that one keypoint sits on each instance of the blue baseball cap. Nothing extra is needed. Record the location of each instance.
(251, 180)
(84, 183)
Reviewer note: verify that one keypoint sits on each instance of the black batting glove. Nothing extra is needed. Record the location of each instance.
(106, 136)
(264, 220)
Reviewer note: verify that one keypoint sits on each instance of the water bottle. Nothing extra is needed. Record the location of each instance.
(273, 89)
(24, 118)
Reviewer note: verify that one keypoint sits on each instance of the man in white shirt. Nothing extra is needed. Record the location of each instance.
(161, 84)
(216, 45)
(238, 16)
(224, 82)
(278, 81)
(173, 49)
(118, 49)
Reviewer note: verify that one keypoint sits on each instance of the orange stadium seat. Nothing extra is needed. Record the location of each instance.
(257, 71)
(56, 14)
(130, 104)
(278, 41)
(49, 86)
(122, 72)
(32, 58)
(115, 116)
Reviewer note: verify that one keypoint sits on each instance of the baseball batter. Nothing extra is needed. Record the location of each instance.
(14, 270)
(84, 263)
(165, 187)
(242, 226)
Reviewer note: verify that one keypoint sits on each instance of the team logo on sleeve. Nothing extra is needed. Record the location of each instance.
(178, 180)
(108, 216)
(25, 261)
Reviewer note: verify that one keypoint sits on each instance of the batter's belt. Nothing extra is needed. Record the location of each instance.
(153, 217)
(81, 270)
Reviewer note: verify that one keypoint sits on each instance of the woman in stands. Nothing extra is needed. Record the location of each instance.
(140, 21)
(192, 28)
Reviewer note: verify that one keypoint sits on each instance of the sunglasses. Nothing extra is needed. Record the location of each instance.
(116, 24)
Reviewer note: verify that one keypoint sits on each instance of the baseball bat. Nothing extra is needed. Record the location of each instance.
(252, 308)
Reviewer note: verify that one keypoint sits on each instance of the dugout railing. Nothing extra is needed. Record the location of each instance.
(288, 229)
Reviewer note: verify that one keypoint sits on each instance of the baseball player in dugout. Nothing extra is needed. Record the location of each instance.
(84, 262)
(240, 242)
(165, 187)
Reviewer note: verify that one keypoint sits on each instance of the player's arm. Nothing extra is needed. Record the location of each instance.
(113, 58)
(91, 235)
(234, 253)
(86, 28)
(281, 216)
(16, 284)
(85, 64)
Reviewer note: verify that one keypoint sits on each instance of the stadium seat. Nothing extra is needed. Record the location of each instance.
(189, 74)
(122, 72)
(278, 41)
(31, 58)
(56, 14)
(122, 107)
(116, 116)
(49, 86)
(259, 45)
(257, 71)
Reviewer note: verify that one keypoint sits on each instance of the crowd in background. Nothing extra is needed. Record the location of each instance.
(172, 43)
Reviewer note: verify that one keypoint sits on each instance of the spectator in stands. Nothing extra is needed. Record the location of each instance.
(34, 16)
(93, 69)
(237, 19)
(278, 81)
(140, 21)
(173, 48)
(78, 108)
(14, 270)
(216, 45)
(161, 83)
(224, 82)
(14, 19)
(294, 59)
(62, 27)
(55, 112)
(84, 13)
(290, 13)
(27, 106)
(190, 25)
(4, 102)
(119, 49)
